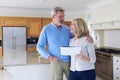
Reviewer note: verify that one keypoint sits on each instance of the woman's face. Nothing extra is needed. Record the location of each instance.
(73, 27)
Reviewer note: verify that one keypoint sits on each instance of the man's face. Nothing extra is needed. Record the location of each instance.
(59, 18)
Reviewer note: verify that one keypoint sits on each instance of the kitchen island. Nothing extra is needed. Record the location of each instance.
(35, 68)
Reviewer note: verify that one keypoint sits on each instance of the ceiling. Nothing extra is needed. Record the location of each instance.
(68, 5)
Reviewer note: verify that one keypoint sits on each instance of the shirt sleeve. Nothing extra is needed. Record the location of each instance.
(42, 42)
(91, 52)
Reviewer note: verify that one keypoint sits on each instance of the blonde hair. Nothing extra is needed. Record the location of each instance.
(55, 10)
(82, 28)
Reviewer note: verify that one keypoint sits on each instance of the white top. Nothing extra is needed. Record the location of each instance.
(87, 49)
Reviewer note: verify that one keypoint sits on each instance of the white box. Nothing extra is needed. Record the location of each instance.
(71, 50)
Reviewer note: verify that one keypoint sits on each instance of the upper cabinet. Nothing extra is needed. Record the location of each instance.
(13, 21)
(46, 21)
(67, 23)
(106, 25)
(34, 27)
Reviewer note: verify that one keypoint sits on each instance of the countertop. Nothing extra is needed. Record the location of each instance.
(31, 58)
(112, 54)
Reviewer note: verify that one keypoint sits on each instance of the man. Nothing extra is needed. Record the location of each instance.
(55, 35)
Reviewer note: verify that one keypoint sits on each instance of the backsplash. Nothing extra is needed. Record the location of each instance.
(111, 38)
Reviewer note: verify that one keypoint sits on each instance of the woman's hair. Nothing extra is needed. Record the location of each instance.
(55, 10)
(82, 28)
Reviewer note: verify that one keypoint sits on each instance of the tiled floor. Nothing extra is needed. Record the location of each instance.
(98, 78)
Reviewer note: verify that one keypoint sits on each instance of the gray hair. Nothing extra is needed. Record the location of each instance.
(55, 10)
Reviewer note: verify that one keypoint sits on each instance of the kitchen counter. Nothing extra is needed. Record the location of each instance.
(31, 58)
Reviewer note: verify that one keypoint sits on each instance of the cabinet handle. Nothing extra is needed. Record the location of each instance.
(117, 77)
(117, 60)
(117, 68)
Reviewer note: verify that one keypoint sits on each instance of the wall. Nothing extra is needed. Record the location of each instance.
(111, 38)
(106, 13)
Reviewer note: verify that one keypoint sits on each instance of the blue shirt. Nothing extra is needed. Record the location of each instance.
(54, 38)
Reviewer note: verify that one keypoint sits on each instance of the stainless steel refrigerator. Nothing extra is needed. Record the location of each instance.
(14, 45)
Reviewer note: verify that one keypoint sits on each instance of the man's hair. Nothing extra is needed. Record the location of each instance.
(55, 10)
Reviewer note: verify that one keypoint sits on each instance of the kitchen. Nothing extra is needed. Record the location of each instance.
(101, 15)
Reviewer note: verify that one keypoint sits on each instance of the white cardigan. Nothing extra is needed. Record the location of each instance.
(87, 49)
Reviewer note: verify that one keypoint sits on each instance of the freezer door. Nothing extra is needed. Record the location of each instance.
(7, 46)
(14, 45)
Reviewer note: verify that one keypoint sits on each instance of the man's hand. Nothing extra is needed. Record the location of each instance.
(89, 38)
(53, 59)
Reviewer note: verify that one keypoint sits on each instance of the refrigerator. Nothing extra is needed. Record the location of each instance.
(14, 45)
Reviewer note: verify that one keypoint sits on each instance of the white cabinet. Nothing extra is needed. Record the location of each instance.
(116, 67)
(106, 25)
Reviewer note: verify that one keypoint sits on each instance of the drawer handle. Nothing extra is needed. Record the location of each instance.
(117, 60)
(117, 77)
(117, 68)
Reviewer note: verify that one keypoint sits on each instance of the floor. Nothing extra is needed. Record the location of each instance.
(98, 78)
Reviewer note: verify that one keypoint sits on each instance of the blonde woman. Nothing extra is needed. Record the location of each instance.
(83, 68)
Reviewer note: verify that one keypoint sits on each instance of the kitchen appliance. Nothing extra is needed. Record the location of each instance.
(14, 45)
(104, 62)
(32, 40)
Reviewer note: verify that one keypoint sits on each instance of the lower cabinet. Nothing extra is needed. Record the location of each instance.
(104, 66)
(31, 49)
(116, 67)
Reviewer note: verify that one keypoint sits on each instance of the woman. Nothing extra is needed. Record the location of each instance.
(83, 67)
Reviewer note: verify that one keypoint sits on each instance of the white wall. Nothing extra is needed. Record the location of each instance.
(111, 38)
(106, 13)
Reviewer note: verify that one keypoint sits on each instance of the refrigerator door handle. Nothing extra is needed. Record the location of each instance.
(14, 42)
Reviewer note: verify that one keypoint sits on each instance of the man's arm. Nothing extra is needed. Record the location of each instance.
(41, 44)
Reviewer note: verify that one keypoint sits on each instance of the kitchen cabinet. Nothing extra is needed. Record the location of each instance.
(13, 21)
(103, 66)
(33, 24)
(67, 23)
(0, 57)
(46, 21)
(116, 67)
(106, 25)
(34, 27)
(31, 49)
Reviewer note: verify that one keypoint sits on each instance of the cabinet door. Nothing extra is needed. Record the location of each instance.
(0, 57)
(46, 21)
(34, 28)
(14, 22)
(67, 23)
(0, 28)
(106, 69)
(31, 49)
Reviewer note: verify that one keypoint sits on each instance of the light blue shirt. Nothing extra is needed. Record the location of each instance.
(54, 38)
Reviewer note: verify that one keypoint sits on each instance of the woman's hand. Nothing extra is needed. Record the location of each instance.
(80, 55)
(83, 57)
